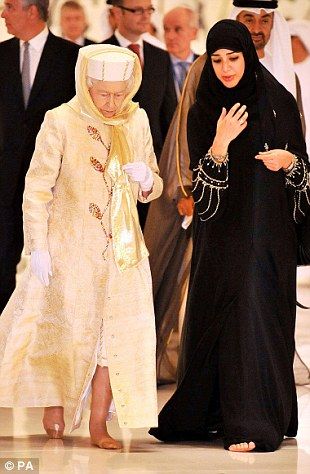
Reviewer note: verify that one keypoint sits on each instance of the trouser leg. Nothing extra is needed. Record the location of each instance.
(11, 245)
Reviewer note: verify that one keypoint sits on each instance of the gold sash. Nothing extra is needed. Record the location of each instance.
(127, 238)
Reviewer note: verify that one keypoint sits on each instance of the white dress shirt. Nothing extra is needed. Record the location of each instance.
(79, 41)
(36, 46)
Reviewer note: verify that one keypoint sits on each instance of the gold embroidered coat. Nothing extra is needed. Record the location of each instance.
(49, 335)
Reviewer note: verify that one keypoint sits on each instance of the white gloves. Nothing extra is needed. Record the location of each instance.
(141, 173)
(41, 265)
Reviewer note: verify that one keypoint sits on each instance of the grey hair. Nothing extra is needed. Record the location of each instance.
(193, 17)
(42, 6)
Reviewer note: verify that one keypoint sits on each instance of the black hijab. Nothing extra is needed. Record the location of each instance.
(212, 95)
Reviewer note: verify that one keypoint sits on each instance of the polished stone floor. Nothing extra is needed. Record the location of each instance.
(22, 437)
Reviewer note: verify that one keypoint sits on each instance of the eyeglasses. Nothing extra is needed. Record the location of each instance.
(139, 10)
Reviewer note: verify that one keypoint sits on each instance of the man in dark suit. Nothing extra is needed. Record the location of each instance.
(36, 74)
(156, 94)
(73, 23)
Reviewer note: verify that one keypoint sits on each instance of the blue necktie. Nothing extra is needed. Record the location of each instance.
(183, 69)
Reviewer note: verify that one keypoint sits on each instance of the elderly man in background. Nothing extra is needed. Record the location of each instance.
(36, 74)
(166, 232)
(180, 29)
(73, 23)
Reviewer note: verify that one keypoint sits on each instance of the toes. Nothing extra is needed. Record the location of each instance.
(107, 443)
(242, 447)
(251, 446)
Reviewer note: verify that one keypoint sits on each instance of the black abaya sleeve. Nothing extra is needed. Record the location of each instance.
(210, 181)
(298, 179)
(298, 183)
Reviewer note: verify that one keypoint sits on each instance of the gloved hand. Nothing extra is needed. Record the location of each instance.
(141, 173)
(41, 265)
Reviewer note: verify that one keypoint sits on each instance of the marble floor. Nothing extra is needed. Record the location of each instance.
(22, 437)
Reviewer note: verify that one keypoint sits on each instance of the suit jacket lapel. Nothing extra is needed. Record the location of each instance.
(113, 40)
(14, 71)
(148, 67)
(45, 66)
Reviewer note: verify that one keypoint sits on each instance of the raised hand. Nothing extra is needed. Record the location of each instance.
(232, 123)
(229, 125)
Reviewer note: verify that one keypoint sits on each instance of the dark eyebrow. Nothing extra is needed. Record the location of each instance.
(233, 52)
(251, 15)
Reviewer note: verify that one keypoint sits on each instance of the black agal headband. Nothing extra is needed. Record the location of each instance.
(256, 3)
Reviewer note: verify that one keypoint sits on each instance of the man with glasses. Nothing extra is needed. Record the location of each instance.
(157, 94)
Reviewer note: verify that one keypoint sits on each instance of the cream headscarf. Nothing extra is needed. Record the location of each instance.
(128, 243)
(278, 51)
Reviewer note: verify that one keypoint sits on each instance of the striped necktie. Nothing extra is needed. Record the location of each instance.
(182, 73)
(135, 48)
(26, 74)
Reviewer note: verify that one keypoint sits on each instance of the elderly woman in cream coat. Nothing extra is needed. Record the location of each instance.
(81, 320)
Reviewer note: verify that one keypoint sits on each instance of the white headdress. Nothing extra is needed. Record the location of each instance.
(278, 51)
(108, 65)
(301, 28)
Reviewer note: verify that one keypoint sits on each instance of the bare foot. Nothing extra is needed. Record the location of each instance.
(53, 422)
(100, 437)
(242, 447)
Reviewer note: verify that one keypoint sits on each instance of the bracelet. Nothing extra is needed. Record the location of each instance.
(291, 166)
(218, 159)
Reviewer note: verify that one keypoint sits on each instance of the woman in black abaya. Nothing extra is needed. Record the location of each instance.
(251, 182)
